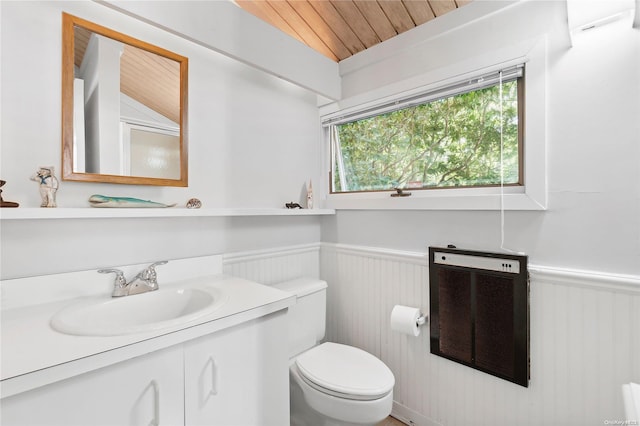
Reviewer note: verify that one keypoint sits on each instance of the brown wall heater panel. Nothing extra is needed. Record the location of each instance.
(479, 305)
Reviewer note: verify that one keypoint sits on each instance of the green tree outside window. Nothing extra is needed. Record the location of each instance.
(458, 141)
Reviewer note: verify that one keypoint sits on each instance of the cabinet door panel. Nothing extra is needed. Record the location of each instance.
(239, 376)
(146, 390)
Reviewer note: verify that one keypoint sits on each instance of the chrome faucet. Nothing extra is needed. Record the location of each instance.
(146, 280)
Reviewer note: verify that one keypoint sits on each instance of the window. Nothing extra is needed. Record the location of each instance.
(465, 135)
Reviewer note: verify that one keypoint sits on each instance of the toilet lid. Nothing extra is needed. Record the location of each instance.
(345, 371)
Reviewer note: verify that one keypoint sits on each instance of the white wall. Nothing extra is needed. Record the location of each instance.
(593, 154)
(252, 143)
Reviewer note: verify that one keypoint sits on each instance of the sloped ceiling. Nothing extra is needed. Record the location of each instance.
(339, 29)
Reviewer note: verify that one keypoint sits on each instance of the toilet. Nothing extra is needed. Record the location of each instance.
(330, 384)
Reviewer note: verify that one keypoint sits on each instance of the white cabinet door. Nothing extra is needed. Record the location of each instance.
(147, 390)
(239, 376)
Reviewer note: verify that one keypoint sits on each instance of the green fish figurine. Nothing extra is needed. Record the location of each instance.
(124, 202)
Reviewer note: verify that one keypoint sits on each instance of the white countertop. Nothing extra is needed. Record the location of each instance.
(34, 354)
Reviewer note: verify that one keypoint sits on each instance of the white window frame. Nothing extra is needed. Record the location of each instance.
(531, 196)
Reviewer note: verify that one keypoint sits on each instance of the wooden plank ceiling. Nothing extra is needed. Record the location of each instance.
(341, 28)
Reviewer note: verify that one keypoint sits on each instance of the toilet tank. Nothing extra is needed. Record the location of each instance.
(307, 318)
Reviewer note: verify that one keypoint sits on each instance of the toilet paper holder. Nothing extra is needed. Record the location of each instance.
(407, 320)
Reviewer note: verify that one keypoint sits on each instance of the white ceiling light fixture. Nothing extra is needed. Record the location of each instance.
(585, 15)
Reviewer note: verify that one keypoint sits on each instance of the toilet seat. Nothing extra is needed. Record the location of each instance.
(345, 372)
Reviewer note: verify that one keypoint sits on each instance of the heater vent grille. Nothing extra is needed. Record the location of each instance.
(480, 311)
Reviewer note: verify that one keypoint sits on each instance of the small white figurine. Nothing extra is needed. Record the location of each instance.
(309, 196)
(48, 185)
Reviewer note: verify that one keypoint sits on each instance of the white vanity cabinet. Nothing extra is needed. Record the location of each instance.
(146, 390)
(239, 376)
(227, 365)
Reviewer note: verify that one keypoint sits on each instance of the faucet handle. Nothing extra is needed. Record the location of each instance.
(149, 273)
(120, 282)
(118, 272)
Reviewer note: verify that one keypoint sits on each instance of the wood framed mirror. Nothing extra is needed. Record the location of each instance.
(124, 108)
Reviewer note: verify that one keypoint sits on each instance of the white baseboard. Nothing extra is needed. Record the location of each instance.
(410, 417)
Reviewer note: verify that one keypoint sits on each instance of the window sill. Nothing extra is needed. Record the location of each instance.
(449, 199)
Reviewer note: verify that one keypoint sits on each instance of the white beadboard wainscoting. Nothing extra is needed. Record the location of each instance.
(274, 265)
(585, 336)
(585, 343)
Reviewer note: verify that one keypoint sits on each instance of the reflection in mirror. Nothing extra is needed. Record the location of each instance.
(123, 110)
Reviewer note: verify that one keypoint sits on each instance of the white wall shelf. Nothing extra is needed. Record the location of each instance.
(110, 213)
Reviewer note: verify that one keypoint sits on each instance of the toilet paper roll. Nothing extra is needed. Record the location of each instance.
(405, 320)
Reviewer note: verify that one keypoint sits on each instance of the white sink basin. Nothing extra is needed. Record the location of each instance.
(152, 311)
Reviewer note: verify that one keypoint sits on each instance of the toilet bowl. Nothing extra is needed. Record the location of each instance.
(346, 385)
(331, 384)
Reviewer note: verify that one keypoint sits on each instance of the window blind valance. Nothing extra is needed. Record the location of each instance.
(463, 86)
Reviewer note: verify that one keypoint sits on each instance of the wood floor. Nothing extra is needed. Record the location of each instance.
(390, 421)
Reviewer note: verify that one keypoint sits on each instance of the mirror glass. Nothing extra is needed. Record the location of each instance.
(124, 108)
